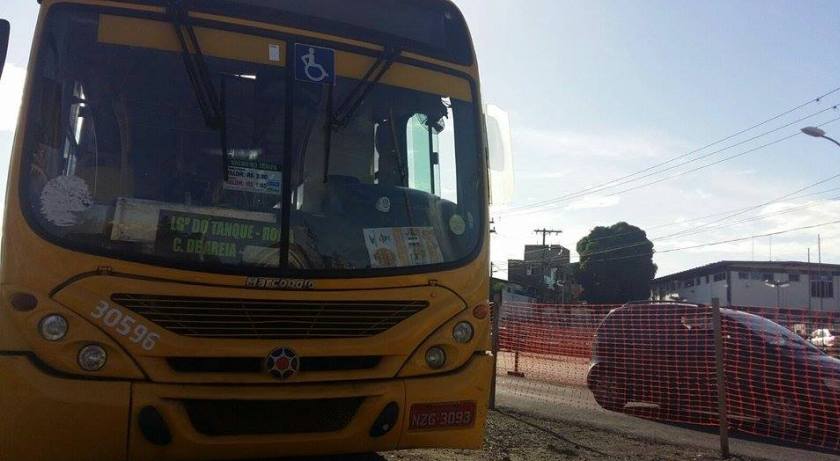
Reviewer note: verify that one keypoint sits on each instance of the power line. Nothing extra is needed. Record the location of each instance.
(646, 242)
(746, 220)
(760, 205)
(795, 122)
(716, 243)
(730, 213)
(679, 174)
(719, 141)
(737, 210)
(590, 189)
(706, 227)
(740, 239)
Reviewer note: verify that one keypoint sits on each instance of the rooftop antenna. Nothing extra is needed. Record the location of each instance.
(771, 248)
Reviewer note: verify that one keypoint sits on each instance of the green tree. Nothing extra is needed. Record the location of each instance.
(616, 264)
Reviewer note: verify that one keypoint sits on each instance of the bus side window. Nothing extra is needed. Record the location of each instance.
(420, 156)
(430, 154)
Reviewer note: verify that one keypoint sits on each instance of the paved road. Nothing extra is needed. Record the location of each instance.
(574, 403)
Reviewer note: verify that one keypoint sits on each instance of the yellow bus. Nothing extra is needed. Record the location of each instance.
(242, 229)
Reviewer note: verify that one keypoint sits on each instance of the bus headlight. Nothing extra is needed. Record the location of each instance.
(53, 327)
(92, 357)
(435, 357)
(463, 332)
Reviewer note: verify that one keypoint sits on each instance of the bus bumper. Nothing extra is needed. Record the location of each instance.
(48, 416)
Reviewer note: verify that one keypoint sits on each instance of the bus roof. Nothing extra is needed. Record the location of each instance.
(430, 27)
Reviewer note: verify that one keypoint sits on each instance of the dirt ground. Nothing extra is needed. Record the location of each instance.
(513, 436)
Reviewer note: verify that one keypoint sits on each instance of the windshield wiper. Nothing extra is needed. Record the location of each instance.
(209, 102)
(351, 103)
(340, 117)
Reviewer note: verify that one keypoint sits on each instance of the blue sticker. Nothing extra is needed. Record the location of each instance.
(314, 64)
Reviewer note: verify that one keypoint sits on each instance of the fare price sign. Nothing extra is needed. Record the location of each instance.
(211, 238)
(254, 176)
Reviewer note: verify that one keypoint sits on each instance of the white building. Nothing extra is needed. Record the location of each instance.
(787, 284)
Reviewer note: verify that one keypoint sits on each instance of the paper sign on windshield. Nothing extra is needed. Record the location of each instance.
(402, 246)
(252, 176)
(210, 238)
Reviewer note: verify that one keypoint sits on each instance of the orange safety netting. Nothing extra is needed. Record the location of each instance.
(658, 361)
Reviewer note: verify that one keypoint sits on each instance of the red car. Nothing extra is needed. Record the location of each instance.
(657, 360)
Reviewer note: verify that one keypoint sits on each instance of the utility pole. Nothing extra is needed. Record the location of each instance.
(810, 284)
(771, 249)
(545, 232)
(820, 284)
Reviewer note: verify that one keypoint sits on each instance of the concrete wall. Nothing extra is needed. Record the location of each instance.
(755, 292)
(795, 295)
(703, 292)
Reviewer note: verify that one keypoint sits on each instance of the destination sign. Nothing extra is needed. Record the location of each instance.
(212, 238)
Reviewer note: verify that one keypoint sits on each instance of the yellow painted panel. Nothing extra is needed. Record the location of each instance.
(159, 35)
(118, 30)
(45, 418)
(471, 383)
(189, 444)
(401, 75)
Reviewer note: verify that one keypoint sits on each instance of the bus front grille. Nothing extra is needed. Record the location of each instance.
(269, 319)
(260, 417)
(257, 364)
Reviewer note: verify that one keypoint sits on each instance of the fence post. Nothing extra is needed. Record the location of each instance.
(721, 385)
(496, 312)
(516, 344)
(516, 371)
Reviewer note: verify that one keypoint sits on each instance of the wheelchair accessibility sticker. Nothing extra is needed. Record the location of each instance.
(314, 64)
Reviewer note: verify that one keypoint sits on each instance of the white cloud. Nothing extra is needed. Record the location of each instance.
(594, 201)
(588, 145)
(11, 93)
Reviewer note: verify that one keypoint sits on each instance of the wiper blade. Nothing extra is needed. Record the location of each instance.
(196, 66)
(211, 105)
(356, 97)
(339, 117)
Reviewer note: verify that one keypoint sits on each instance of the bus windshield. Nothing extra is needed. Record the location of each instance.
(120, 160)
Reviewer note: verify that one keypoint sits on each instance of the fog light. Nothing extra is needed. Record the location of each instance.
(481, 311)
(53, 327)
(92, 357)
(463, 332)
(24, 302)
(435, 357)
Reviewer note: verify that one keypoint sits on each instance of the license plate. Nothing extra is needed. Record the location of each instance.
(441, 415)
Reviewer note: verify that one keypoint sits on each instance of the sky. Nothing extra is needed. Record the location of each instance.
(600, 90)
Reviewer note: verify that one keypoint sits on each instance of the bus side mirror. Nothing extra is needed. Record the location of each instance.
(4, 42)
(499, 155)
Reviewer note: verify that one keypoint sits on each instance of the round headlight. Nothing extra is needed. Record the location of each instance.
(53, 327)
(463, 332)
(435, 357)
(92, 357)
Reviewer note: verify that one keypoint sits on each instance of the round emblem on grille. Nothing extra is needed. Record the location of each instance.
(282, 363)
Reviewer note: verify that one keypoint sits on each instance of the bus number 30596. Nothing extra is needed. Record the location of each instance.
(125, 325)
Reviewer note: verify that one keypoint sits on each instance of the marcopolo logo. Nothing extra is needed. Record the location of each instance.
(282, 363)
(280, 284)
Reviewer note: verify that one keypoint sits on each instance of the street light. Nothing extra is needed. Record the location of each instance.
(818, 133)
(778, 284)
